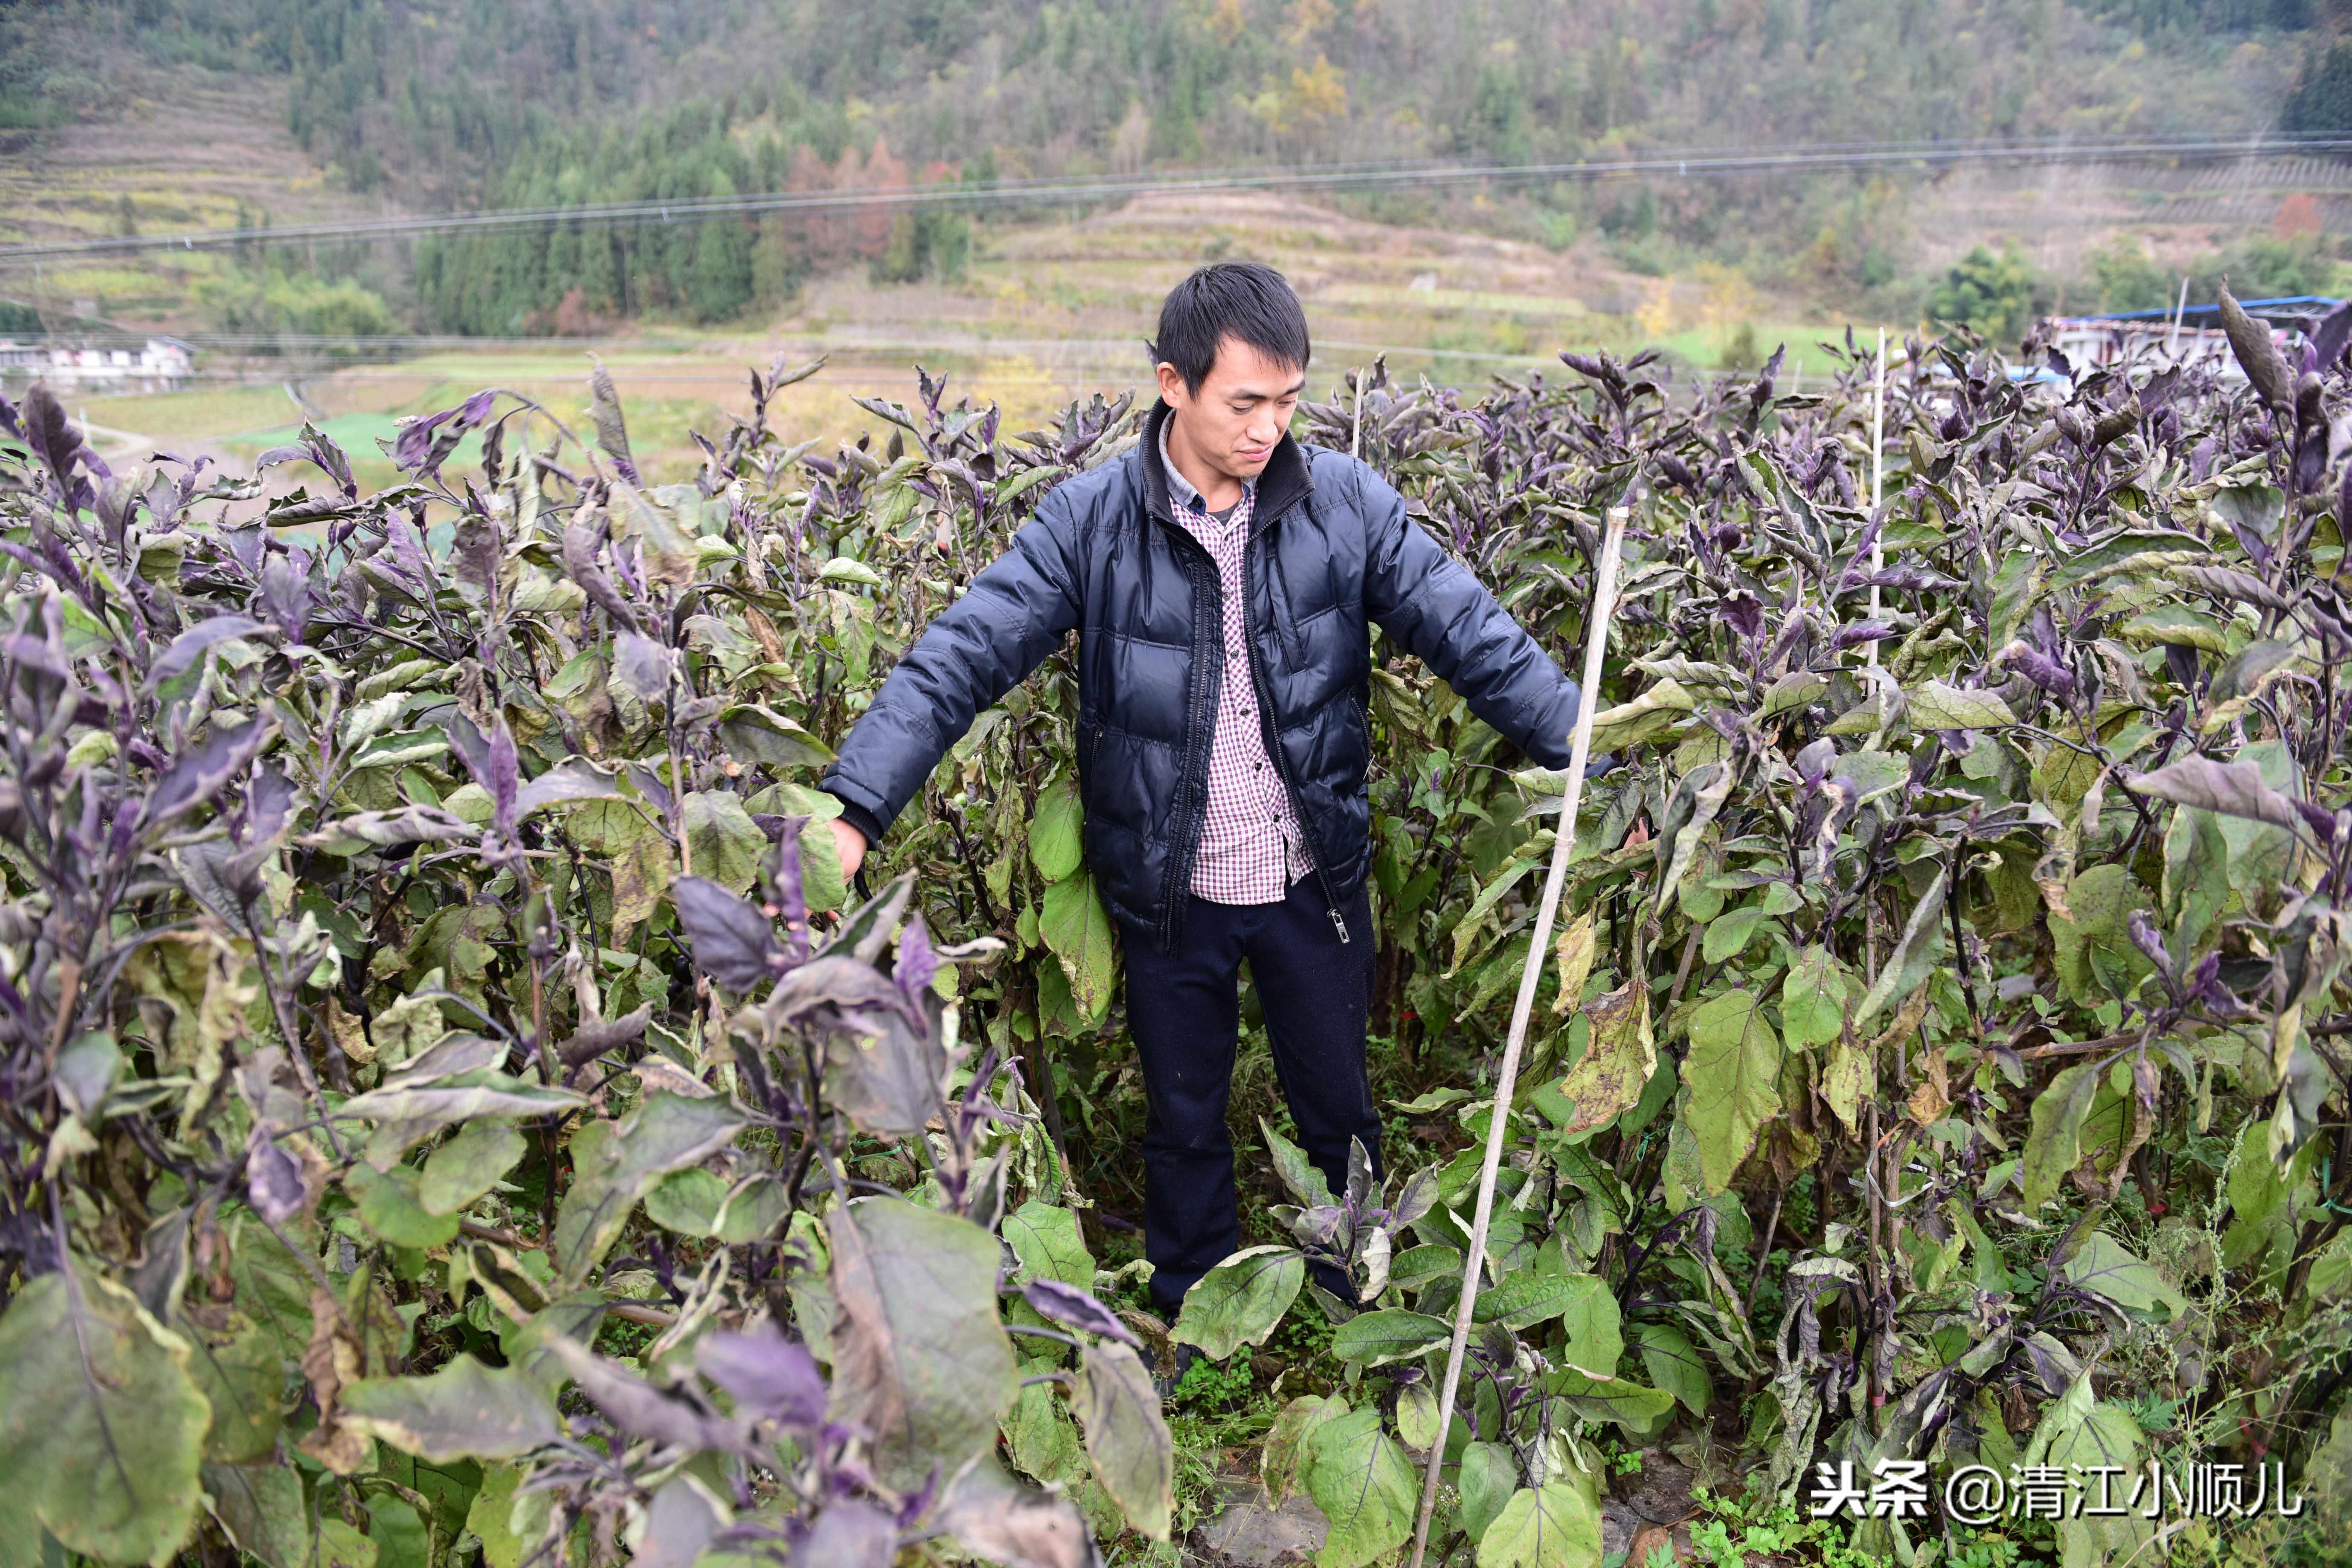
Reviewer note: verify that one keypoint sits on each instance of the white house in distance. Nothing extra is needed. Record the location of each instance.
(2188, 335)
(159, 365)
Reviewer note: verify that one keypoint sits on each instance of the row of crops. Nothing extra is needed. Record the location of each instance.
(454, 1108)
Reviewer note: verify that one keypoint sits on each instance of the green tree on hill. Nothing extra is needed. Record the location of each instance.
(1994, 295)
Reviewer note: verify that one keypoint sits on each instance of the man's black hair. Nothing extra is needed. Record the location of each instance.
(1239, 299)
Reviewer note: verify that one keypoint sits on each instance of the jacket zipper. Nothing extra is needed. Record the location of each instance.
(1272, 740)
(1195, 777)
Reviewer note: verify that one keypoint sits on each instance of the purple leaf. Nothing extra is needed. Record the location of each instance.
(502, 777)
(791, 897)
(2044, 671)
(1075, 1309)
(205, 772)
(2329, 339)
(918, 962)
(1860, 632)
(1743, 612)
(190, 645)
(733, 942)
(273, 1180)
(766, 1373)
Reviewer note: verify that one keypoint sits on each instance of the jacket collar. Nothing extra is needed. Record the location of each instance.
(1285, 482)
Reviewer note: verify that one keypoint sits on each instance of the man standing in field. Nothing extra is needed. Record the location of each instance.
(1222, 579)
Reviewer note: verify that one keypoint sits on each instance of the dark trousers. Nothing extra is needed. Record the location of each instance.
(1184, 1011)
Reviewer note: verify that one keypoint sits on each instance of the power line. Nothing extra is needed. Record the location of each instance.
(1695, 163)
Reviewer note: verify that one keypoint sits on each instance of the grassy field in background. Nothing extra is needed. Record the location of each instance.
(1045, 314)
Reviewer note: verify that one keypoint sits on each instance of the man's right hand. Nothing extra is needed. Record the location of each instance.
(849, 845)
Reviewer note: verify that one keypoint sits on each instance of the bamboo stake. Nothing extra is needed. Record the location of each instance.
(1596, 643)
(1877, 477)
(1356, 421)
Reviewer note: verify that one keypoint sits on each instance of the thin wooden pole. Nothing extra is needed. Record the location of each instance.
(1356, 423)
(1877, 478)
(1580, 753)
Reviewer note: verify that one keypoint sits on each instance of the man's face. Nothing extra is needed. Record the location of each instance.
(1233, 422)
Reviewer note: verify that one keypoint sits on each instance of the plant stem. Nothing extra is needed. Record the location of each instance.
(1539, 944)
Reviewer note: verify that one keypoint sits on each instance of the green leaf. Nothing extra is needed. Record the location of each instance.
(102, 1429)
(1049, 1243)
(1297, 1172)
(1651, 714)
(1126, 1441)
(1732, 1069)
(1629, 1405)
(1241, 1301)
(243, 1381)
(1489, 1476)
(726, 845)
(1813, 999)
(1358, 1477)
(1675, 1365)
(510, 1521)
(465, 1411)
(920, 1357)
(1937, 706)
(467, 1165)
(1729, 933)
(1286, 1440)
(687, 1202)
(844, 569)
(1056, 843)
(1077, 927)
(261, 1507)
(2054, 1146)
(389, 1207)
(1595, 1331)
(1553, 1526)
(1376, 1339)
(2104, 1266)
(615, 1163)
(754, 733)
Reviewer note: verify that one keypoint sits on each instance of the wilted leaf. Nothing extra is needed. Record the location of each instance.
(1618, 1060)
(1077, 927)
(987, 1512)
(920, 1357)
(1553, 1526)
(102, 1429)
(465, 1411)
(1675, 1365)
(615, 1163)
(2055, 1144)
(2232, 789)
(1074, 1306)
(733, 943)
(1936, 706)
(1132, 1454)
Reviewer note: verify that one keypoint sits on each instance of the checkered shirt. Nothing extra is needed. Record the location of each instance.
(1251, 847)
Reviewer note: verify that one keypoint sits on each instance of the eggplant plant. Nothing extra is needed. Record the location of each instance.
(455, 1104)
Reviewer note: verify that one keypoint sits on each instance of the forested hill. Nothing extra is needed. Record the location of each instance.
(429, 104)
(446, 101)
